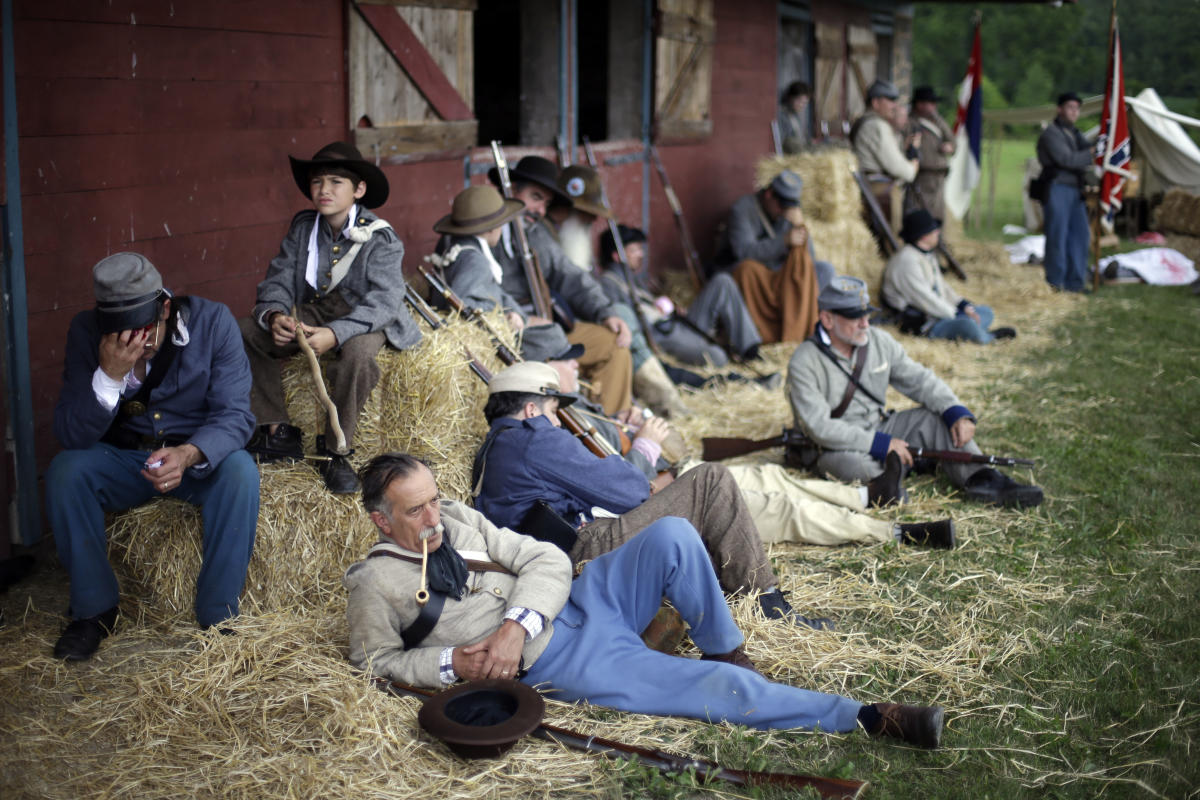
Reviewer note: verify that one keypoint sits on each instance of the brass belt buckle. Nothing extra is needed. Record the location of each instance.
(133, 408)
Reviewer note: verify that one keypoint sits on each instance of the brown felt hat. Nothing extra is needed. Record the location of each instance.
(482, 719)
(582, 185)
(477, 210)
(344, 156)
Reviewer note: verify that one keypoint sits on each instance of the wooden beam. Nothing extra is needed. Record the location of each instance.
(463, 5)
(399, 140)
(416, 61)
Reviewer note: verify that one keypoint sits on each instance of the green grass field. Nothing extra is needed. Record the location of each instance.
(989, 213)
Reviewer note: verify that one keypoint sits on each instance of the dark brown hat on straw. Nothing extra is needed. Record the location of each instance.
(345, 156)
(482, 719)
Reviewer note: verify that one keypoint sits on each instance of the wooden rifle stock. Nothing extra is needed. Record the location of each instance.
(539, 291)
(418, 304)
(474, 314)
(719, 448)
(668, 763)
(619, 245)
(883, 228)
(970, 458)
(690, 256)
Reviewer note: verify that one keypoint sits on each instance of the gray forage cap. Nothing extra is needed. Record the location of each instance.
(846, 297)
(787, 187)
(127, 288)
(882, 88)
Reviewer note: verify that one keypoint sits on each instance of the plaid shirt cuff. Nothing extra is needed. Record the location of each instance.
(531, 621)
(446, 666)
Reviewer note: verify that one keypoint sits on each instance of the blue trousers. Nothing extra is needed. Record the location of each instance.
(1066, 225)
(596, 653)
(82, 485)
(963, 327)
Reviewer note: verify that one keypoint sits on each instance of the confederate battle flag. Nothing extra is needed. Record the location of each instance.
(1112, 146)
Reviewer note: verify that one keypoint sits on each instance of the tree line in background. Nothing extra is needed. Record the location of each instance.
(1033, 52)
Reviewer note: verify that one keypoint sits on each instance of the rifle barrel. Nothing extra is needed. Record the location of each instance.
(690, 256)
(971, 458)
(539, 291)
(667, 763)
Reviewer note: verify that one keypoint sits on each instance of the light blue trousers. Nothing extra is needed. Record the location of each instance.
(1066, 226)
(596, 653)
(963, 327)
(82, 485)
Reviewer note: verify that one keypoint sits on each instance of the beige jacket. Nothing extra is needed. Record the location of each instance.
(816, 386)
(382, 599)
(913, 278)
(878, 150)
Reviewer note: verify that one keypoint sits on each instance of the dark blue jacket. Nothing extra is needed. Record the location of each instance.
(533, 460)
(205, 394)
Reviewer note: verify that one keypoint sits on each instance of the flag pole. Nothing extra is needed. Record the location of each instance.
(1108, 145)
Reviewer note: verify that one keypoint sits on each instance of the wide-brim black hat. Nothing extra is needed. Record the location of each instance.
(482, 719)
(925, 94)
(917, 223)
(534, 169)
(345, 156)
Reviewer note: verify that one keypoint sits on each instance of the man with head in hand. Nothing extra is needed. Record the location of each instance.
(155, 401)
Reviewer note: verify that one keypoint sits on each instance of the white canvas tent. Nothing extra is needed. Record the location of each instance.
(1168, 157)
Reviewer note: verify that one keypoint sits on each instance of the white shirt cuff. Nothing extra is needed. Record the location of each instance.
(107, 391)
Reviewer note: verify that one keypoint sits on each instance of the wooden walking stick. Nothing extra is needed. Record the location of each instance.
(322, 392)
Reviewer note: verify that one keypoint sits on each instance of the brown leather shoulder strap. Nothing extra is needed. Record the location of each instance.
(472, 564)
(852, 384)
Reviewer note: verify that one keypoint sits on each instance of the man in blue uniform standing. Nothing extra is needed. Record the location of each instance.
(1067, 157)
(155, 401)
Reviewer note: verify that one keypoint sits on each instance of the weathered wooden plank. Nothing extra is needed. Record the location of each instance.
(394, 140)
(53, 164)
(54, 49)
(319, 18)
(68, 106)
(413, 56)
(465, 5)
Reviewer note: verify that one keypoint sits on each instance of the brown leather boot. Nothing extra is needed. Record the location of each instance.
(917, 725)
(737, 656)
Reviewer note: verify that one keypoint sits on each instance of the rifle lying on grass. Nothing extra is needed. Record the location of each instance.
(667, 763)
(718, 448)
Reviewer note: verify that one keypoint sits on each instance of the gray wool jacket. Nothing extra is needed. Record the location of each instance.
(373, 285)
(578, 288)
(382, 600)
(815, 386)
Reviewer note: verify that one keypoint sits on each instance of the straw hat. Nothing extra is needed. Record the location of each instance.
(477, 210)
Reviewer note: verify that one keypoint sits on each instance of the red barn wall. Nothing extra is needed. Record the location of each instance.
(165, 128)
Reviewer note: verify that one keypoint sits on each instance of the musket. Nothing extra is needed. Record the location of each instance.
(970, 458)
(669, 763)
(880, 224)
(473, 313)
(690, 256)
(539, 291)
(571, 420)
(619, 245)
(776, 139)
(422, 308)
(560, 149)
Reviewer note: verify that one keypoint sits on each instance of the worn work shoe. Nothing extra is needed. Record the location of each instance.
(774, 605)
(770, 382)
(887, 488)
(1004, 333)
(286, 443)
(340, 477)
(994, 487)
(737, 656)
(82, 636)
(917, 725)
(939, 534)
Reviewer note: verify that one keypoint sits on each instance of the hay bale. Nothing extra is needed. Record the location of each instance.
(1179, 212)
(830, 193)
(427, 402)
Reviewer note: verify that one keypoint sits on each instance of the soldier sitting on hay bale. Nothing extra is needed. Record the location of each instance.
(767, 246)
(155, 401)
(339, 265)
(512, 611)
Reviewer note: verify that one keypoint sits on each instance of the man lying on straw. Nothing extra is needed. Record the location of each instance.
(512, 611)
(837, 384)
(155, 401)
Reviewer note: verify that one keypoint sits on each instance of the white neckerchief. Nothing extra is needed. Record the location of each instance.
(310, 270)
(486, 249)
